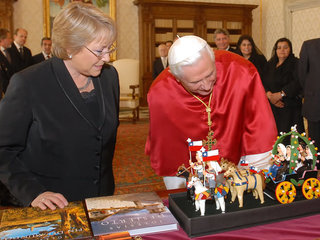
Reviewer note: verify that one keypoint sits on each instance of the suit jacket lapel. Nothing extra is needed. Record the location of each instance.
(4, 59)
(16, 51)
(72, 93)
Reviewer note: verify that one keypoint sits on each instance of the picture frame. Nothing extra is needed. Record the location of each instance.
(52, 7)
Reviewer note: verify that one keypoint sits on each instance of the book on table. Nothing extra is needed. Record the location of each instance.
(33, 223)
(136, 213)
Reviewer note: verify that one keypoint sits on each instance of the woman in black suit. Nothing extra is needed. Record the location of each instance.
(59, 119)
(248, 49)
(282, 87)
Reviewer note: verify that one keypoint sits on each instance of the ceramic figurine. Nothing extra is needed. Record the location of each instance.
(301, 156)
(184, 172)
(241, 184)
(217, 188)
(201, 194)
(198, 166)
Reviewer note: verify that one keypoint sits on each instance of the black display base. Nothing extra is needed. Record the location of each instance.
(253, 213)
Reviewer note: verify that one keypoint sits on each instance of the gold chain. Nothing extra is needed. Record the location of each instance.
(208, 108)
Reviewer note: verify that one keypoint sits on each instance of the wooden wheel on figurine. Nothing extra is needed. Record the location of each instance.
(311, 188)
(285, 192)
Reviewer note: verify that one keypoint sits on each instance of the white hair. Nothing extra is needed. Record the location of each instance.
(186, 51)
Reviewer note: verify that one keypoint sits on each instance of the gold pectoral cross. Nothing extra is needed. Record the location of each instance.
(210, 140)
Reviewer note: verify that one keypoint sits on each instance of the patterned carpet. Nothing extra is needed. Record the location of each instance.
(131, 166)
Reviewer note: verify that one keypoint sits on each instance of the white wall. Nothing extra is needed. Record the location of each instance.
(28, 14)
(298, 20)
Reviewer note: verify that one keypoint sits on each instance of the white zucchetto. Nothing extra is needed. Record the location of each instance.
(185, 47)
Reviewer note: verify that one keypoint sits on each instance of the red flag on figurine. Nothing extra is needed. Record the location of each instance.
(195, 146)
(212, 155)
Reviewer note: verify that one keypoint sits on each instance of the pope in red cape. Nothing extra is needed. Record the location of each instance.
(242, 121)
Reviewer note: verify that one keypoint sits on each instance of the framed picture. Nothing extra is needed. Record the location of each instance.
(52, 7)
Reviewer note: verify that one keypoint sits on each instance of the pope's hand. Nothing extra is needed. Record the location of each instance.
(49, 200)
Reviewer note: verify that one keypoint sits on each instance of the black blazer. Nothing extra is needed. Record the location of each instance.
(6, 72)
(18, 63)
(157, 68)
(49, 140)
(38, 58)
(231, 49)
(309, 76)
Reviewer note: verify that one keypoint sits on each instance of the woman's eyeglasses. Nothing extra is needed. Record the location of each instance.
(100, 54)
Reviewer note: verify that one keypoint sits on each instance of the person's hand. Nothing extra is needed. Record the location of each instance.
(49, 199)
(279, 104)
(274, 97)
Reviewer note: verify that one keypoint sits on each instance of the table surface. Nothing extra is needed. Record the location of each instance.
(303, 228)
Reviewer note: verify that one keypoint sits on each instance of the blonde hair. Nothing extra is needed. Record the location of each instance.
(77, 25)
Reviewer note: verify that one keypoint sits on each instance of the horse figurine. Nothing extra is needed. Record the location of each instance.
(201, 194)
(184, 172)
(224, 164)
(241, 183)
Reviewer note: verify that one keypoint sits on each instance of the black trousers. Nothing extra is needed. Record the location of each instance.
(314, 132)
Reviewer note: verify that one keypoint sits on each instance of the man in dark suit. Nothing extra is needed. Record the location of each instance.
(161, 62)
(309, 74)
(5, 59)
(46, 44)
(221, 38)
(20, 55)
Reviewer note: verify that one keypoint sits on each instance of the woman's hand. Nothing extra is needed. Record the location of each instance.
(275, 99)
(51, 200)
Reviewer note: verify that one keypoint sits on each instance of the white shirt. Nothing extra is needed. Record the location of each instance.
(164, 61)
(46, 55)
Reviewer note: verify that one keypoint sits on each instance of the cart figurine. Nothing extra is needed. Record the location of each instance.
(299, 170)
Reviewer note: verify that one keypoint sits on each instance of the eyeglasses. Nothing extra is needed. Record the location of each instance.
(100, 53)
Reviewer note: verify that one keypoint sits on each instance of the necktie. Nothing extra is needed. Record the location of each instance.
(7, 55)
(48, 56)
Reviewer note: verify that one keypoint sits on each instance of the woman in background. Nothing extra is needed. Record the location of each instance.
(282, 87)
(59, 118)
(248, 49)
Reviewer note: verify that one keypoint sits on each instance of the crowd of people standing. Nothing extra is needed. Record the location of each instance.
(15, 56)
